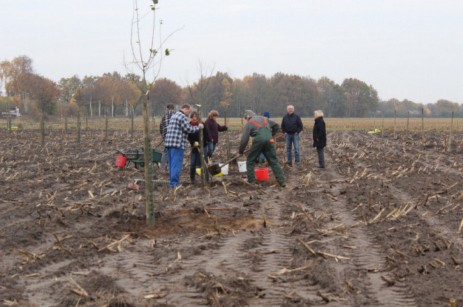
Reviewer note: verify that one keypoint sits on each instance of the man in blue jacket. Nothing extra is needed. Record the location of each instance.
(291, 125)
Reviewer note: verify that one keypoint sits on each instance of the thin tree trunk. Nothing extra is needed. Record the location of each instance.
(106, 124)
(148, 164)
(99, 108)
(450, 133)
(91, 107)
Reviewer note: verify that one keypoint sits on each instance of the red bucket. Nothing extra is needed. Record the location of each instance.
(262, 174)
(120, 161)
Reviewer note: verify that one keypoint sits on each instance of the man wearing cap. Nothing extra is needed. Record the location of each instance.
(260, 128)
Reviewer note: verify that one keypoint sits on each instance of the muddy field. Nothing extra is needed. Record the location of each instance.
(380, 226)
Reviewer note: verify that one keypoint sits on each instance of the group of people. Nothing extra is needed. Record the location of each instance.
(292, 126)
(184, 126)
(210, 140)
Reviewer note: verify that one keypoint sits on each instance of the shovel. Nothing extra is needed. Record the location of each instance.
(215, 169)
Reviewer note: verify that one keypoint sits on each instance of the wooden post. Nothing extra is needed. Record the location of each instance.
(395, 122)
(42, 129)
(408, 121)
(382, 126)
(450, 133)
(204, 171)
(422, 124)
(78, 126)
(66, 124)
(227, 136)
(112, 106)
(106, 124)
(131, 122)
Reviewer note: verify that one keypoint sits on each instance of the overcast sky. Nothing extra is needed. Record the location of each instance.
(405, 49)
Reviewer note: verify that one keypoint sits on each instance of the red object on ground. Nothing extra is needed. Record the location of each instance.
(133, 186)
(262, 174)
(120, 161)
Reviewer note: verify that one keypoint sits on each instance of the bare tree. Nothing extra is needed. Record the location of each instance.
(198, 92)
(198, 96)
(147, 59)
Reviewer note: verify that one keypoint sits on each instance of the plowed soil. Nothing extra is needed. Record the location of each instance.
(381, 225)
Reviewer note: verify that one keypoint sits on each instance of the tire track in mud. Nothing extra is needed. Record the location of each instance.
(432, 221)
(366, 257)
(402, 196)
(231, 257)
(276, 255)
(432, 165)
(140, 274)
(255, 256)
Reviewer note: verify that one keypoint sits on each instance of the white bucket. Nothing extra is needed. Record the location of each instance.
(224, 168)
(242, 166)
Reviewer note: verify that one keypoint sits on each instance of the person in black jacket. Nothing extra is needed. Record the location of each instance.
(319, 137)
(291, 126)
(193, 138)
(213, 129)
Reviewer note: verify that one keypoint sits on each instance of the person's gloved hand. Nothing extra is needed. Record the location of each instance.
(196, 144)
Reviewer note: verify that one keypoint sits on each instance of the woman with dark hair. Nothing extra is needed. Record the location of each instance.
(193, 138)
(319, 137)
(213, 129)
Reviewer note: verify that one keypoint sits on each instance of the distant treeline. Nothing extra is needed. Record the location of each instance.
(115, 95)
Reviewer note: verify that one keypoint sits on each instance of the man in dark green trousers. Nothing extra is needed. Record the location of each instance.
(260, 129)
